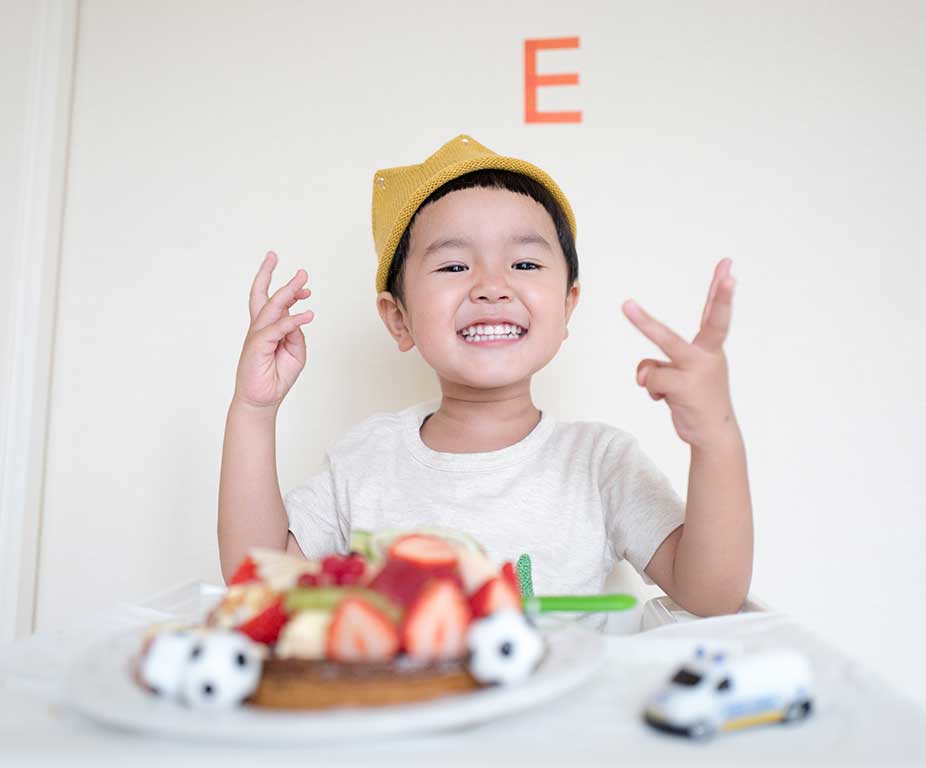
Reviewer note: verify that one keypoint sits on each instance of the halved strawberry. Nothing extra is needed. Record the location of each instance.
(421, 549)
(435, 626)
(495, 595)
(475, 569)
(265, 626)
(246, 571)
(509, 575)
(360, 632)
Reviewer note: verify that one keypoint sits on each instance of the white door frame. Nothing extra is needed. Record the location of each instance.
(24, 397)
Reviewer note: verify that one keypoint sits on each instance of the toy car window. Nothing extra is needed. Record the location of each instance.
(725, 684)
(686, 677)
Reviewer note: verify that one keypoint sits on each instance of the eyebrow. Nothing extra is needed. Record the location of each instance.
(531, 238)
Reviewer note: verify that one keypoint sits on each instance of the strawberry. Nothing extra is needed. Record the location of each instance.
(435, 625)
(402, 580)
(495, 595)
(360, 632)
(265, 626)
(475, 569)
(247, 571)
(509, 575)
(423, 550)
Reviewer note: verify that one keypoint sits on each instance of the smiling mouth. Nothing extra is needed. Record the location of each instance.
(498, 334)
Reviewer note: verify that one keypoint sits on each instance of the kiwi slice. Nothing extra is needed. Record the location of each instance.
(327, 598)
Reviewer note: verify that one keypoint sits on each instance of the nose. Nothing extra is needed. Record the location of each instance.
(490, 285)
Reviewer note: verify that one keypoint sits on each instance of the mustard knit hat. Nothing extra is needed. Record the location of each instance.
(398, 192)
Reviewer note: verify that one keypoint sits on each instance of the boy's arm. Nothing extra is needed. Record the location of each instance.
(251, 511)
(706, 564)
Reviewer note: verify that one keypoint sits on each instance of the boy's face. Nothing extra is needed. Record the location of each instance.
(482, 257)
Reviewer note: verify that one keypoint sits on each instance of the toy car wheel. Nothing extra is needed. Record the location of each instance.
(701, 731)
(797, 710)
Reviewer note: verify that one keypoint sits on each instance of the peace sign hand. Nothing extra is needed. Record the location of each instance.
(274, 351)
(695, 381)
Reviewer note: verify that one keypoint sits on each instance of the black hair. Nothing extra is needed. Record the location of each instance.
(490, 178)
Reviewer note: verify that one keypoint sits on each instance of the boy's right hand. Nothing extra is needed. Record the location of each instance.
(274, 351)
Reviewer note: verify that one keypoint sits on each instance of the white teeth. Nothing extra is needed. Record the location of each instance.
(502, 331)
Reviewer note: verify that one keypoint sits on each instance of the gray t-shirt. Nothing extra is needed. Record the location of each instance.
(575, 496)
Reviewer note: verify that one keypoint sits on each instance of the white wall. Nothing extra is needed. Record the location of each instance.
(787, 136)
(15, 47)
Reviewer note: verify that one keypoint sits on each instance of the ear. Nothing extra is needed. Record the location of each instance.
(572, 298)
(395, 319)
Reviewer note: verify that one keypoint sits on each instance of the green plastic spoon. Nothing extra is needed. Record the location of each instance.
(546, 603)
(586, 603)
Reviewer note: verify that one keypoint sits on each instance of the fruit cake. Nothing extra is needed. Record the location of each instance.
(406, 616)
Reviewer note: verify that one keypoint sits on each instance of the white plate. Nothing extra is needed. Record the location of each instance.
(99, 686)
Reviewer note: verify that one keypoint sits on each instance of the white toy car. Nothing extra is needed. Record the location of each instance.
(713, 692)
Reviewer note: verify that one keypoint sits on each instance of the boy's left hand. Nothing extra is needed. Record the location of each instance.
(694, 383)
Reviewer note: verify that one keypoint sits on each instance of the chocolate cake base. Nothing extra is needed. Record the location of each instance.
(305, 684)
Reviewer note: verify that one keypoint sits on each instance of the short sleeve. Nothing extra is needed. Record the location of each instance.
(641, 507)
(314, 517)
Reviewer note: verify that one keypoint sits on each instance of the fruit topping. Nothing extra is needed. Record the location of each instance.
(327, 598)
(509, 575)
(475, 569)
(241, 603)
(279, 570)
(246, 571)
(338, 570)
(360, 632)
(436, 623)
(423, 550)
(497, 594)
(402, 580)
(504, 648)
(304, 636)
(307, 580)
(265, 626)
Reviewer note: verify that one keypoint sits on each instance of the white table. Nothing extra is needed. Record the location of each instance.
(858, 717)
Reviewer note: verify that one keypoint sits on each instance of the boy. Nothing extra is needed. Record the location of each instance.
(478, 270)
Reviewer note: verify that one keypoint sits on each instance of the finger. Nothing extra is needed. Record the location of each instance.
(664, 382)
(272, 334)
(675, 347)
(720, 271)
(644, 366)
(261, 284)
(294, 344)
(277, 304)
(716, 325)
(301, 294)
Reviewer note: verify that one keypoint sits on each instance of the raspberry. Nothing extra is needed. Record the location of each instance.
(342, 571)
(308, 580)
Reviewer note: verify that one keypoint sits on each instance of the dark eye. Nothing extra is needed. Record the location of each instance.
(242, 660)
(452, 267)
(529, 266)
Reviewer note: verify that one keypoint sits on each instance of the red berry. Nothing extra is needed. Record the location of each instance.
(308, 580)
(422, 550)
(509, 575)
(246, 571)
(402, 581)
(360, 632)
(495, 595)
(265, 626)
(435, 625)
